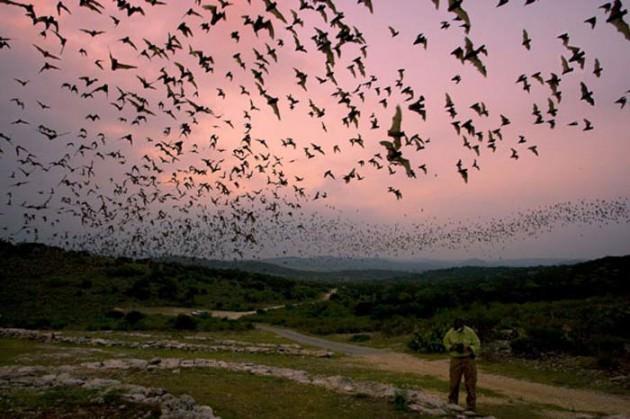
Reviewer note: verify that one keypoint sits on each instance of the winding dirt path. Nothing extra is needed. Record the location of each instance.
(339, 347)
(526, 391)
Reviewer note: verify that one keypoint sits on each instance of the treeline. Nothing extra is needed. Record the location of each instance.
(48, 287)
(436, 290)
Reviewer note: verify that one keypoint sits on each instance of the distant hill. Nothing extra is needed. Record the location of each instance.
(328, 268)
(332, 264)
(349, 272)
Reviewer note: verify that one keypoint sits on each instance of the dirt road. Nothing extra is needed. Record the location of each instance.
(339, 347)
(571, 399)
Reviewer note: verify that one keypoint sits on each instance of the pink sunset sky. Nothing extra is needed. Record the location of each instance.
(573, 165)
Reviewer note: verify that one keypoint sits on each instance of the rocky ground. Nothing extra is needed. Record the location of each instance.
(102, 372)
(169, 406)
(156, 402)
(147, 402)
(216, 346)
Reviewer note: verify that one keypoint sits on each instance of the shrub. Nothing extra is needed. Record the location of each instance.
(124, 271)
(38, 323)
(607, 362)
(168, 289)
(115, 313)
(102, 323)
(398, 325)
(426, 342)
(56, 282)
(140, 290)
(185, 322)
(134, 317)
(543, 339)
(524, 347)
(360, 338)
(429, 339)
(401, 401)
(86, 284)
(599, 344)
(212, 324)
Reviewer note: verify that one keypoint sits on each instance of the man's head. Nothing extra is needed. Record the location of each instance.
(458, 324)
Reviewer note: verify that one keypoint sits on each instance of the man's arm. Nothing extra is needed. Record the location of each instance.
(447, 342)
(475, 346)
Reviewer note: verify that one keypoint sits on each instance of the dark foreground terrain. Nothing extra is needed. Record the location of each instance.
(139, 338)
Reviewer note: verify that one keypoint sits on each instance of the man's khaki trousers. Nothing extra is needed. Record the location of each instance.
(463, 367)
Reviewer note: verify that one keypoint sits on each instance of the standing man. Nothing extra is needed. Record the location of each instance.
(463, 346)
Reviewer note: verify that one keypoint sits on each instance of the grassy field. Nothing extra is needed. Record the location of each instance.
(68, 402)
(239, 395)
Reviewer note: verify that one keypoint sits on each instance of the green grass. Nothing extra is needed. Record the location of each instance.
(284, 398)
(377, 340)
(317, 366)
(12, 349)
(243, 395)
(68, 402)
(237, 395)
(54, 396)
(25, 352)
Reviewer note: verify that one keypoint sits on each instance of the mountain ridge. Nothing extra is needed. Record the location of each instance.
(343, 269)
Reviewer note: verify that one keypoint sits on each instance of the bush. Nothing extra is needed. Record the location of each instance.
(56, 282)
(37, 323)
(360, 338)
(103, 323)
(543, 339)
(398, 325)
(185, 322)
(115, 314)
(428, 340)
(168, 289)
(212, 324)
(86, 284)
(401, 401)
(607, 362)
(140, 289)
(124, 271)
(524, 347)
(134, 317)
(599, 344)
